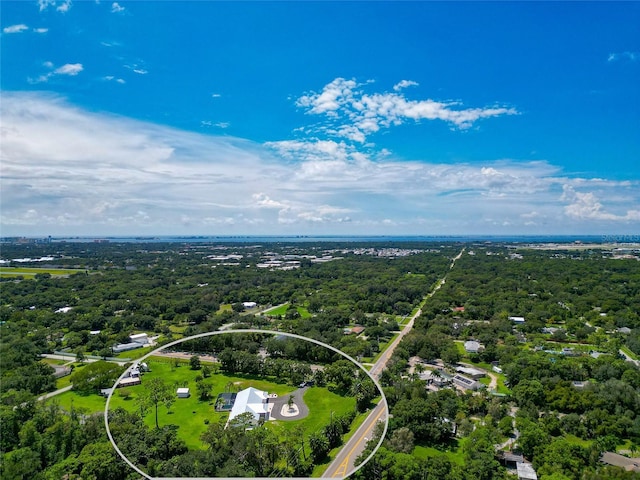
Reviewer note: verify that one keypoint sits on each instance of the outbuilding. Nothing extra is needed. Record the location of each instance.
(183, 392)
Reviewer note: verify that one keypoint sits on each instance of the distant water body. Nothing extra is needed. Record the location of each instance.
(361, 239)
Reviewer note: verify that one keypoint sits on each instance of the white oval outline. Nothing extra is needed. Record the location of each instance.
(249, 330)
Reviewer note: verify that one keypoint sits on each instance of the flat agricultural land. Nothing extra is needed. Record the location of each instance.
(30, 272)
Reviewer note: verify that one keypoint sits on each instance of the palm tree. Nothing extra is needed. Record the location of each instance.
(290, 402)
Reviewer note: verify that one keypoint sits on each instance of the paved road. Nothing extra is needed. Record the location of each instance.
(343, 464)
(54, 393)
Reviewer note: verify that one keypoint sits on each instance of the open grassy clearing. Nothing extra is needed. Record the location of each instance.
(454, 453)
(83, 403)
(322, 405)
(225, 307)
(628, 352)
(278, 310)
(136, 353)
(63, 382)
(190, 413)
(30, 272)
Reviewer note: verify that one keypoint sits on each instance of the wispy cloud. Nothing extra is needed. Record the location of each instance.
(215, 95)
(117, 8)
(628, 56)
(41, 30)
(71, 69)
(64, 7)
(66, 170)
(209, 123)
(68, 69)
(351, 113)
(111, 78)
(404, 84)
(15, 28)
(44, 4)
(137, 69)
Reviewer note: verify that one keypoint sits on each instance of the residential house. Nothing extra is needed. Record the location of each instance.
(471, 346)
(253, 401)
(466, 382)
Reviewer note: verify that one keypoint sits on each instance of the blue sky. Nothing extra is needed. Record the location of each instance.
(334, 117)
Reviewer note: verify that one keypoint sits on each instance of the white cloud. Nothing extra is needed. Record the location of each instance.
(44, 4)
(404, 84)
(71, 69)
(15, 28)
(353, 114)
(628, 56)
(111, 78)
(140, 71)
(66, 170)
(41, 30)
(68, 69)
(209, 123)
(116, 8)
(64, 7)
(587, 206)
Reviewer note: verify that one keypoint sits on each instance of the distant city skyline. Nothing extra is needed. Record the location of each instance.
(319, 118)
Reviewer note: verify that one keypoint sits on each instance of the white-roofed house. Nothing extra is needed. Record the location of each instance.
(141, 338)
(471, 346)
(253, 401)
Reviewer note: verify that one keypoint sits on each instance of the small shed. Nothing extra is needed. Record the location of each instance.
(183, 392)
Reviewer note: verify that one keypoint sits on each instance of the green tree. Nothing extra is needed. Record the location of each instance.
(402, 440)
(156, 391)
(319, 446)
(194, 362)
(94, 376)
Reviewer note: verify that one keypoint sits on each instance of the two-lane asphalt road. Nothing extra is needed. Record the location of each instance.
(344, 463)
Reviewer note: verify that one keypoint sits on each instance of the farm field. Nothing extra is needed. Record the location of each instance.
(31, 272)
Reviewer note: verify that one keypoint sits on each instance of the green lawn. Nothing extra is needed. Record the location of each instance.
(629, 352)
(277, 311)
(573, 440)
(63, 382)
(29, 272)
(225, 307)
(322, 404)
(454, 454)
(87, 403)
(190, 413)
(133, 354)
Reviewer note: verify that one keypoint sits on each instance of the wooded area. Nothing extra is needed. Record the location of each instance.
(558, 390)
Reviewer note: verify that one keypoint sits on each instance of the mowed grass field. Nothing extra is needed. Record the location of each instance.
(190, 414)
(31, 272)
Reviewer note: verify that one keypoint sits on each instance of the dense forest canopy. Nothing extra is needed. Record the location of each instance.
(580, 318)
